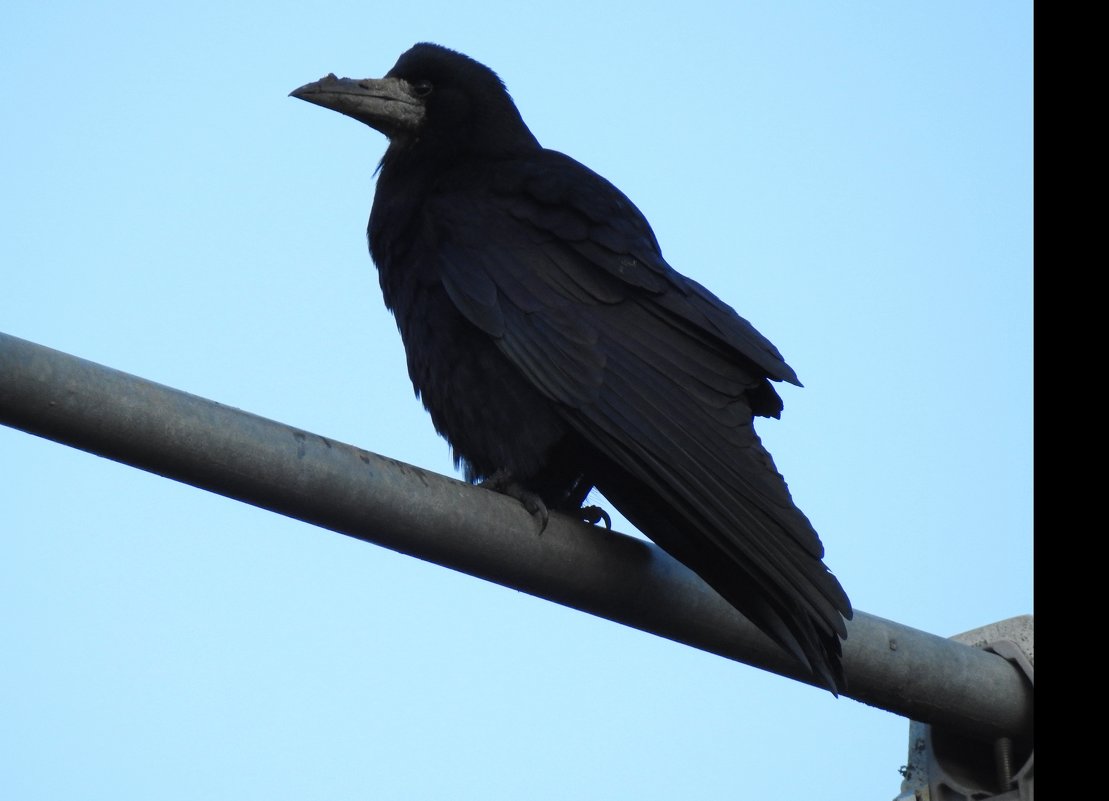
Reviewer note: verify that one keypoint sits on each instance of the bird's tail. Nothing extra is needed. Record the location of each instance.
(801, 608)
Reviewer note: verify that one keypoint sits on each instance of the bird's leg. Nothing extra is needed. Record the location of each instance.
(572, 504)
(504, 483)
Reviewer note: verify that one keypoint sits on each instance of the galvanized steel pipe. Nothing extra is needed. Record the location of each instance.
(398, 506)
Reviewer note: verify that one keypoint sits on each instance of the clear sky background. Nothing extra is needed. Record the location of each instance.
(856, 179)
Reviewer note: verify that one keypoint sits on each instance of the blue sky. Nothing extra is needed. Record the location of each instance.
(855, 179)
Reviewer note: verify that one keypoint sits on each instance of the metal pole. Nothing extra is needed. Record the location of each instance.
(398, 506)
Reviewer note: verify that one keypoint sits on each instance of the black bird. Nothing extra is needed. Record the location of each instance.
(557, 351)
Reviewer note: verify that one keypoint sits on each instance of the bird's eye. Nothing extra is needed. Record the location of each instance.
(421, 88)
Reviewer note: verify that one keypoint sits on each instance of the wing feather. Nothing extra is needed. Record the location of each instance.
(654, 371)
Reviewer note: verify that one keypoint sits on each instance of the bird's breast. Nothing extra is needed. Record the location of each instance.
(494, 418)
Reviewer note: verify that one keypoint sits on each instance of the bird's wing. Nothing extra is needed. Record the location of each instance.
(658, 374)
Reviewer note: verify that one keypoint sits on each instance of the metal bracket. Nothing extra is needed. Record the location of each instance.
(944, 766)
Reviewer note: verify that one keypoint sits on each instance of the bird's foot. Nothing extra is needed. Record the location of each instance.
(594, 515)
(505, 484)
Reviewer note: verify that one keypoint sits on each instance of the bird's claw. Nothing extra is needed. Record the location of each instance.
(594, 515)
(535, 506)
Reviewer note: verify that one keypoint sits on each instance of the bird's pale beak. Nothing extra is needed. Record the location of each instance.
(388, 105)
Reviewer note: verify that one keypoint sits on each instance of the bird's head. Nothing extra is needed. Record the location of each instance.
(433, 97)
